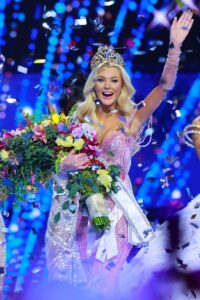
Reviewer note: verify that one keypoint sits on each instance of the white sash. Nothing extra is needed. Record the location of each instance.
(140, 231)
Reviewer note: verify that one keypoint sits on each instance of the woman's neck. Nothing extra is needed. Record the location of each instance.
(106, 112)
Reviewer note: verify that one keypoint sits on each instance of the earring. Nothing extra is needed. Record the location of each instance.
(97, 101)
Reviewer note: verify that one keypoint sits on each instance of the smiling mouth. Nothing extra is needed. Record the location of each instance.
(107, 94)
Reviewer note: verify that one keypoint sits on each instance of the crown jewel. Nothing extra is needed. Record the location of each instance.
(106, 54)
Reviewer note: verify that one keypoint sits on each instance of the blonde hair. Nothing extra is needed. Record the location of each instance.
(124, 103)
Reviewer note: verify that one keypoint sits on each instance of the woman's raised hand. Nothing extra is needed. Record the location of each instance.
(74, 162)
(180, 28)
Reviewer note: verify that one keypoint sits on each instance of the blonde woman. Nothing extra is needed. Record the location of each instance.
(75, 252)
(194, 130)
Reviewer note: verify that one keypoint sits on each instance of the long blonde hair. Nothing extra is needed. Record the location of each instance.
(124, 103)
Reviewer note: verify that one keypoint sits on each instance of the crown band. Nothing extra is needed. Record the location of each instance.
(106, 54)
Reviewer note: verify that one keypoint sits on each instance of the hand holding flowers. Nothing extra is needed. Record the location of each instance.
(31, 154)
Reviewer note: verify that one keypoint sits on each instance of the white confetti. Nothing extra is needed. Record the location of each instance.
(22, 69)
(82, 21)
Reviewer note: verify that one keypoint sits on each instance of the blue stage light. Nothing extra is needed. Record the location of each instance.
(86, 3)
(83, 12)
(53, 40)
(34, 33)
(70, 66)
(49, 57)
(51, 48)
(44, 80)
(31, 46)
(75, 4)
(132, 5)
(21, 17)
(60, 8)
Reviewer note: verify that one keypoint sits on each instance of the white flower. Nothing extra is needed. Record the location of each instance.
(88, 131)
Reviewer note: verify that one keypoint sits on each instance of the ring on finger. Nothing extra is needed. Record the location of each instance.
(184, 27)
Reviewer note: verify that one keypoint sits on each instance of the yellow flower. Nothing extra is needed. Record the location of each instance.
(105, 180)
(102, 172)
(64, 119)
(4, 155)
(45, 122)
(55, 118)
(78, 144)
(65, 142)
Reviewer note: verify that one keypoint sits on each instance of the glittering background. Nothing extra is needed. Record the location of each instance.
(44, 42)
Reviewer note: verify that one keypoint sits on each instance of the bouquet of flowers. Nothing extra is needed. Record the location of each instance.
(31, 154)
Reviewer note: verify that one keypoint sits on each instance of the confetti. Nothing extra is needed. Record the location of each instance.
(185, 245)
(11, 100)
(36, 270)
(79, 60)
(80, 22)
(109, 3)
(34, 230)
(189, 193)
(178, 113)
(2, 61)
(97, 44)
(197, 205)
(180, 262)
(22, 69)
(6, 214)
(46, 26)
(39, 61)
(193, 216)
(49, 14)
(194, 225)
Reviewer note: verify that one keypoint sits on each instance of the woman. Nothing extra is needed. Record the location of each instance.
(75, 252)
(193, 129)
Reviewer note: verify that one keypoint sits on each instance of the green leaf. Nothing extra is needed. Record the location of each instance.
(95, 189)
(73, 189)
(56, 218)
(110, 153)
(65, 205)
(60, 190)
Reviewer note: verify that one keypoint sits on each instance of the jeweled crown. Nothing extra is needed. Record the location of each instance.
(106, 54)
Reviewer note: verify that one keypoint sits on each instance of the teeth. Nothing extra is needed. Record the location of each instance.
(108, 94)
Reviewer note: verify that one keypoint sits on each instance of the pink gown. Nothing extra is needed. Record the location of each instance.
(71, 244)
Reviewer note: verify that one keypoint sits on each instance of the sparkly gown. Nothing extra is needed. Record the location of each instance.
(71, 244)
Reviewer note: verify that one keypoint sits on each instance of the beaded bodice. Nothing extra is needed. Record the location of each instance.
(118, 148)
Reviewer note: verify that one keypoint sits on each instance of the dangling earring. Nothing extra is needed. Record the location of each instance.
(97, 102)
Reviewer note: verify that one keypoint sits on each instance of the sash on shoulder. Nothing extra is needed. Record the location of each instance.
(140, 231)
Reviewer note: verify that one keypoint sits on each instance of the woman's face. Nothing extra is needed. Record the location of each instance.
(108, 86)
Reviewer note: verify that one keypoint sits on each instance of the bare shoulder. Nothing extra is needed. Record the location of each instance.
(196, 121)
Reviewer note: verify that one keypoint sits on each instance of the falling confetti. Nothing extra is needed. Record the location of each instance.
(22, 69)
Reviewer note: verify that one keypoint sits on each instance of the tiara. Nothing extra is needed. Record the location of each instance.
(106, 54)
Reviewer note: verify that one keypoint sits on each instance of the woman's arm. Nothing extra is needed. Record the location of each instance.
(178, 32)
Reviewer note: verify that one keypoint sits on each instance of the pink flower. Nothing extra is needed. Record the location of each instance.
(7, 135)
(16, 132)
(77, 131)
(2, 146)
(39, 133)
